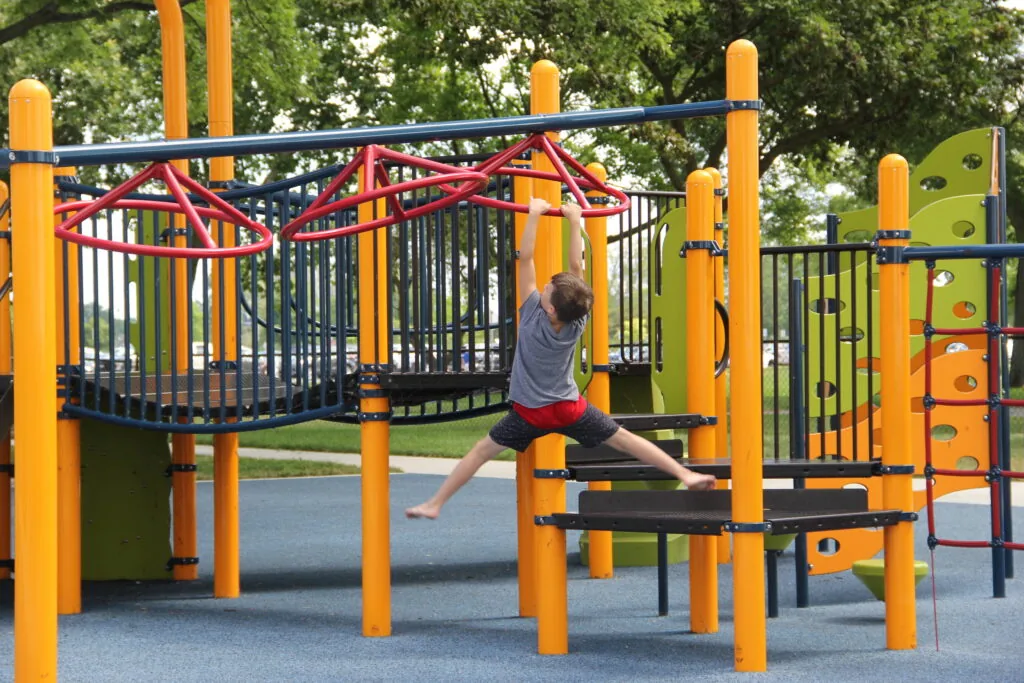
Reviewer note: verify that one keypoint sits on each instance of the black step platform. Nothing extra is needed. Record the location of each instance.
(707, 512)
(607, 464)
(642, 422)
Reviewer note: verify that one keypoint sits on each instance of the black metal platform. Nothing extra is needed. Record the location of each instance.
(643, 422)
(607, 464)
(708, 512)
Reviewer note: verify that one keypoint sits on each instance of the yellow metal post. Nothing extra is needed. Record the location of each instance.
(599, 391)
(721, 410)
(183, 446)
(745, 341)
(894, 311)
(374, 425)
(35, 414)
(700, 385)
(5, 369)
(549, 494)
(226, 580)
(69, 429)
(522, 190)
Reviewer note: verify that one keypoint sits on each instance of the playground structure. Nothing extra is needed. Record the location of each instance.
(453, 353)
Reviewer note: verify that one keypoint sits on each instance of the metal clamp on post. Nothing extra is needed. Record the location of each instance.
(743, 105)
(221, 184)
(908, 517)
(747, 527)
(891, 235)
(181, 562)
(707, 420)
(30, 157)
(710, 245)
(602, 368)
(995, 472)
(175, 232)
(599, 201)
(374, 417)
(719, 191)
(5, 234)
(369, 379)
(896, 469)
(890, 256)
(551, 474)
(177, 468)
(7, 469)
(7, 564)
(993, 329)
(375, 367)
(544, 520)
(372, 393)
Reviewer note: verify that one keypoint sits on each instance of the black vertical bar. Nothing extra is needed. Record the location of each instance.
(798, 449)
(854, 354)
(832, 237)
(999, 515)
(662, 575)
(869, 285)
(775, 352)
(1004, 437)
(772, 570)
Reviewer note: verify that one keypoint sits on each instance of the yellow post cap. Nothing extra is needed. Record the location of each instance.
(598, 169)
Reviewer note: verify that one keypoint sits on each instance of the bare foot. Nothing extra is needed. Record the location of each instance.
(423, 511)
(699, 482)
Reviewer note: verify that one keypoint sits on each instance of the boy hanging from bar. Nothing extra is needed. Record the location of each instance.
(542, 390)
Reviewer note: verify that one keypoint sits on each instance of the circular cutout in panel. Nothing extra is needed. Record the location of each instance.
(943, 432)
(826, 390)
(963, 229)
(956, 347)
(967, 462)
(920, 244)
(943, 278)
(855, 486)
(963, 309)
(933, 183)
(851, 335)
(858, 236)
(876, 400)
(965, 383)
(826, 306)
(916, 326)
(972, 162)
(828, 546)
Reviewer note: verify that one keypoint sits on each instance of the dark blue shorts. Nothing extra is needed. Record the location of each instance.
(592, 429)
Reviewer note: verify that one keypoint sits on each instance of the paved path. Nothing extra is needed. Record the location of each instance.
(410, 464)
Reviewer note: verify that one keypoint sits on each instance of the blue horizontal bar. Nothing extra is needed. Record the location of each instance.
(272, 143)
(964, 252)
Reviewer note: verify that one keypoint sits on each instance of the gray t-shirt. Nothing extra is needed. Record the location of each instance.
(542, 369)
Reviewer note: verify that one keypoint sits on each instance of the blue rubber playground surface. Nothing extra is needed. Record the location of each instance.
(454, 607)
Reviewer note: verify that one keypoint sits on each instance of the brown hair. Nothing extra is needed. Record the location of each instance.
(571, 297)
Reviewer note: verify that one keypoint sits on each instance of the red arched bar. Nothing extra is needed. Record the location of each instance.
(219, 210)
(371, 159)
(586, 180)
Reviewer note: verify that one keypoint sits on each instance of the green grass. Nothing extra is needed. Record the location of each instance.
(259, 468)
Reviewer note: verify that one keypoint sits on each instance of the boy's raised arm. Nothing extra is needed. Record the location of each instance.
(576, 264)
(527, 271)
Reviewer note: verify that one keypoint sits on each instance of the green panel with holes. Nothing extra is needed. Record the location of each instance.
(582, 371)
(959, 166)
(959, 301)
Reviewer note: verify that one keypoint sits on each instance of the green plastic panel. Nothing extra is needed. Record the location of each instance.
(668, 310)
(144, 272)
(959, 166)
(960, 302)
(582, 369)
(126, 511)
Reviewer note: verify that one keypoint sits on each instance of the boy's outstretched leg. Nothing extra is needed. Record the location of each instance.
(649, 454)
(484, 450)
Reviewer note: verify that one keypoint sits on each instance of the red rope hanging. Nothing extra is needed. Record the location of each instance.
(177, 182)
(371, 159)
